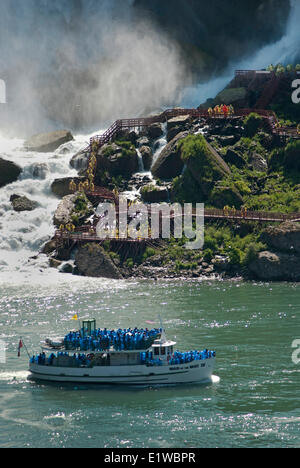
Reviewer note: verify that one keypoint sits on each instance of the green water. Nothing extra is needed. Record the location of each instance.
(252, 402)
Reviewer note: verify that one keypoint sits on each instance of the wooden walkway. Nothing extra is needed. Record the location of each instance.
(86, 234)
(140, 123)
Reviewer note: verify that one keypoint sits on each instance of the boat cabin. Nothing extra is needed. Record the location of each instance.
(88, 327)
(162, 349)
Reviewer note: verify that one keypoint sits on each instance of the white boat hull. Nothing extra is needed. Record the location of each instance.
(193, 372)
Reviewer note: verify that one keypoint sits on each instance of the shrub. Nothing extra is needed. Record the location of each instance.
(252, 123)
(149, 252)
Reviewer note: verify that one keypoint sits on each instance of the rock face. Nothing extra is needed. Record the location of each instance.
(92, 260)
(48, 142)
(169, 163)
(22, 203)
(9, 172)
(276, 267)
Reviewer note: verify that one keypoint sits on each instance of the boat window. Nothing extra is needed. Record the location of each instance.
(163, 351)
(156, 351)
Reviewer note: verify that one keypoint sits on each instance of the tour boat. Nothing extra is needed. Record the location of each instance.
(123, 357)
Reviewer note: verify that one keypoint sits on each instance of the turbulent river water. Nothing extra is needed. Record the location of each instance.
(253, 400)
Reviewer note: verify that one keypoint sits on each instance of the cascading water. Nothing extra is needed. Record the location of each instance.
(22, 234)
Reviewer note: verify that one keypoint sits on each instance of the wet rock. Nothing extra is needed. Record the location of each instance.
(48, 142)
(40, 171)
(169, 163)
(54, 263)
(20, 203)
(61, 187)
(181, 121)
(285, 238)
(73, 209)
(92, 260)
(155, 131)
(117, 160)
(270, 266)
(64, 210)
(66, 268)
(154, 194)
(143, 141)
(49, 247)
(226, 140)
(80, 161)
(9, 172)
(147, 156)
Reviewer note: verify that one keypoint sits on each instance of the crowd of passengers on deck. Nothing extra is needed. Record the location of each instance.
(103, 339)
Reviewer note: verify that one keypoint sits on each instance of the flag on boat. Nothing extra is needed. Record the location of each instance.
(20, 347)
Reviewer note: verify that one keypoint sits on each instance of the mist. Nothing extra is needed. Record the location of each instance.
(82, 64)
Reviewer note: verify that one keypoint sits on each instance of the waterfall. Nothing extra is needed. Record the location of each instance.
(22, 234)
(285, 51)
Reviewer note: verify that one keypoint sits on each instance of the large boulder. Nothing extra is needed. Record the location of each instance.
(177, 125)
(234, 157)
(61, 187)
(155, 194)
(270, 266)
(80, 161)
(147, 156)
(285, 238)
(169, 164)
(205, 164)
(92, 260)
(9, 172)
(117, 160)
(73, 209)
(155, 131)
(48, 142)
(20, 203)
(226, 196)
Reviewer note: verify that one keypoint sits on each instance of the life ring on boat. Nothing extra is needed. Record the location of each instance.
(90, 356)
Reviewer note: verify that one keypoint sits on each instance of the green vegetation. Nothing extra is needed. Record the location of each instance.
(252, 123)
